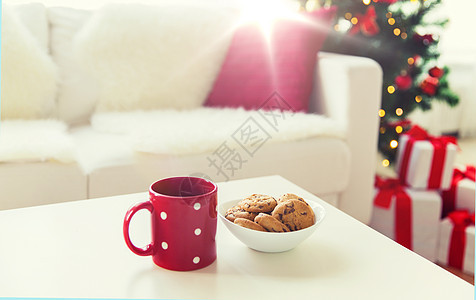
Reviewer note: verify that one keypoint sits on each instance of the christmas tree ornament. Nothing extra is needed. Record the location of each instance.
(429, 85)
(436, 72)
(426, 39)
(403, 82)
(366, 23)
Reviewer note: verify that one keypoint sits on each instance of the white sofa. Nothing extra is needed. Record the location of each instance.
(99, 157)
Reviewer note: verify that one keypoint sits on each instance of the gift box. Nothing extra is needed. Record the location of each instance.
(408, 216)
(461, 194)
(456, 241)
(425, 161)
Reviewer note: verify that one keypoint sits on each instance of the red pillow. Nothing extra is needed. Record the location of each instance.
(254, 70)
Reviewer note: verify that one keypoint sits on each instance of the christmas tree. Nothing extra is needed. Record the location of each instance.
(403, 38)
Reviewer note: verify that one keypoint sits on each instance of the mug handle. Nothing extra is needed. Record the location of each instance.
(149, 249)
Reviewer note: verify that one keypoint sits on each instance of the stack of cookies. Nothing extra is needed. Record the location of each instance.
(264, 213)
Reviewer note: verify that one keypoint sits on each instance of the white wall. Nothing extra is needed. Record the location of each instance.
(460, 34)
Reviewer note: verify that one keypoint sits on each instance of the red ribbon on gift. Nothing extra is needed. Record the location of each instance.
(416, 133)
(460, 219)
(449, 196)
(389, 188)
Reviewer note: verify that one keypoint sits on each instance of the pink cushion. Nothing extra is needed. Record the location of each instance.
(253, 70)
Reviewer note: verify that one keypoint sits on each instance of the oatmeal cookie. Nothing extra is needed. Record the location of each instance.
(248, 224)
(295, 214)
(258, 203)
(270, 223)
(238, 212)
(289, 196)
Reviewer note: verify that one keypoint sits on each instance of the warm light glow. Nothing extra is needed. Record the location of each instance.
(366, 2)
(382, 130)
(393, 144)
(396, 31)
(385, 162)
(388, 15)
(348, 16)
(399, 111)
(404, 35)
(336, 27)
(398, 129)
(391, 89)
(354, 20)
(418, 98)
(381, 113)
(411, 60)
(391, 21)
(312, 5)
(265, 13)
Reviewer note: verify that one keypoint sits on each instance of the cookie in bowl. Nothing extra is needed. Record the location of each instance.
(295, 214)
(270, 223)
(259, 203)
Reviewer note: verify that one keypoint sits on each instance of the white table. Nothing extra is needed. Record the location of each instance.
(76, 249)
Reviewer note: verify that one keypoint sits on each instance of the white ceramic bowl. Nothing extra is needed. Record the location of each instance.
(270, 241)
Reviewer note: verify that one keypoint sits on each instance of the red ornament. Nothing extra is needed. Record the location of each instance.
(366, 23)
(429, 85)
(436, 72)
(425, 39)
(403, 82)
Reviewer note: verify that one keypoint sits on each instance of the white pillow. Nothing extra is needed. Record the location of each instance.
(145, 57)
(33, 16)
(78, 93)
(28, 74)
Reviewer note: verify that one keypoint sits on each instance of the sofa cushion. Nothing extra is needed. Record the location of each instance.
(204, 129)
(77, 91)
(319, 164)
(35, 140)
(29, 75)
(33, 16)
(97, 149)
(279, 59)
(162, 56)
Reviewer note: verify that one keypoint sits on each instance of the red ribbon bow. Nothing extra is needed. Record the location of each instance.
(469, 173)
(389, 188)
(460, 219)
(416, 133)
(449, 196)
(366, 23)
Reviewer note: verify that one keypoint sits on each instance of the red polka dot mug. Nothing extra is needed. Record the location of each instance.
(184, 223)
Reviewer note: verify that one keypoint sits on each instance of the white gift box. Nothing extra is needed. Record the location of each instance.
(464, 194)
(420, 163)
(446, 229)
(426, 211)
